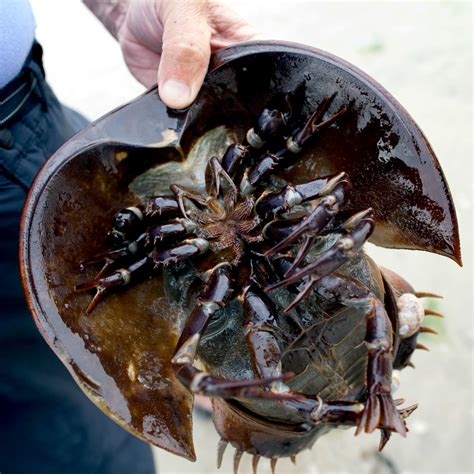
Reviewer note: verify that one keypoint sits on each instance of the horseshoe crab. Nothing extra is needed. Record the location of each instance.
(278, 379)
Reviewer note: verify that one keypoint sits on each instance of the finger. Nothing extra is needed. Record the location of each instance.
(186, 52)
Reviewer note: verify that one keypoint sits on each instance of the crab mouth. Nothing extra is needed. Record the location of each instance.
(247, 432)
(228, 225)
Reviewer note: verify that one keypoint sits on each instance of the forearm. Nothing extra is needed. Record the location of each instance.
(110, 12)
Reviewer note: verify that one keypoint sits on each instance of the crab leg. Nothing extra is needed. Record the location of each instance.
(187, 249)
(127, 249)
(260, 323)
(219, 172)
(159, 257)
(303, 251)
(181, 193)
(296, 142)
(279, 229)
(126, 224)
(314, 411)
(290, 196)
(379, 409)
(309, 240)
(327, 262)
(263, 168)
(117, 256)
(269, 161)
(235, 155)
(322, 214)
(351, 413)
(120, 277)
(167, 231)
(165, 206)
(215, 295)
(176, 229)
(273, 122)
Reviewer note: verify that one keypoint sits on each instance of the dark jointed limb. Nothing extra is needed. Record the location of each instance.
(134, 230)
(214, 296)
(275, 119)
(129, 223)
(318, 219)
(335, 190)
(350, 414)
(379, 408)
(327, 262)
(136, 259)
(166, 232)
(126, 225)
(235, 157)
(117, 256)
(269, 161)
(314, 411)
(163, 206)
(220, 173)
(182, 193)
(277, 202)
(120, 277)
(260, 325)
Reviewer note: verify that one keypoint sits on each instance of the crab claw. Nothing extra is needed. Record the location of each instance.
(115, 256)
(219, 172)
(120, 277)
(322, 214)
(313, 125)
(276, 116)
(331, 259)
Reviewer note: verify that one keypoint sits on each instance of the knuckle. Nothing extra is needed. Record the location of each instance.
(188, 52)
(192, 52)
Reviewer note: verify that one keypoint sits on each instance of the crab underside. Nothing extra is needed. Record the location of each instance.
(298, 237)
(234, 267)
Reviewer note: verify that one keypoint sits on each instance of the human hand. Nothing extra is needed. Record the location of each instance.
(170, 41)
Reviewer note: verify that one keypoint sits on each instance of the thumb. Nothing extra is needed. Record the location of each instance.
(185, 52)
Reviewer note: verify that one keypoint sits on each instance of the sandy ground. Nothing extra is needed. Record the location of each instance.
(422, 53)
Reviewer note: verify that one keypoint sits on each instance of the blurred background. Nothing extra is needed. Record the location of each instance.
(422, 53)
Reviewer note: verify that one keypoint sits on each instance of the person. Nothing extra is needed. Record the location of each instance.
(47, 425)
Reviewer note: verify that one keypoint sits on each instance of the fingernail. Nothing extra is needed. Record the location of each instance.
(176, 94)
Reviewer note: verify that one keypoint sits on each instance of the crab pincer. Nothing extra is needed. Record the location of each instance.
(119, 277)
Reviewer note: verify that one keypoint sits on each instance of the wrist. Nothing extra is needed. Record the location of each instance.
(111, 13)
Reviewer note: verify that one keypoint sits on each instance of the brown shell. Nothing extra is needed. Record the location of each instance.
(120, 355)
